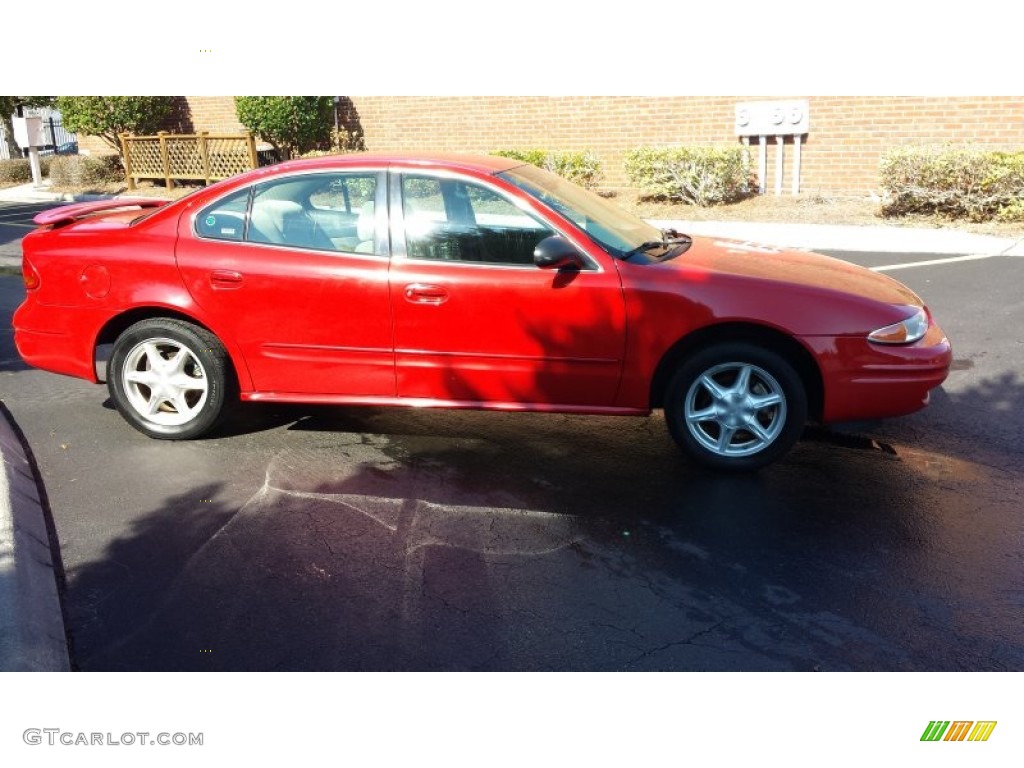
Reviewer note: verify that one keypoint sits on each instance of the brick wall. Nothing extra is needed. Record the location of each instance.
(90, 145)
(848, 135)
(215, 114)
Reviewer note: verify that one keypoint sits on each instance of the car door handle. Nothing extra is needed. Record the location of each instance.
(422, 293)
(225, 278)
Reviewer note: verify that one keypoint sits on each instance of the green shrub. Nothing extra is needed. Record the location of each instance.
(109, 116)
(583, 168)
(699, 175)
(85, 170)
(295, 124)
(342, 142)
(955, 182)
(1012, 211)
(15, 171)
(18, 170)
(319, 153)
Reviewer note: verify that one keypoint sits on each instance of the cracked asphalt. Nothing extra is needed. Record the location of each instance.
(372, 539)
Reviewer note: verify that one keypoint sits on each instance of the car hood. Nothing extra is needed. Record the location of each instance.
(799, 268)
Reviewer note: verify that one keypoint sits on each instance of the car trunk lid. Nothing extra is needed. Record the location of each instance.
(67, 214)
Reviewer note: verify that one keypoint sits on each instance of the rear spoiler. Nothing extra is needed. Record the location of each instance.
(69, 213)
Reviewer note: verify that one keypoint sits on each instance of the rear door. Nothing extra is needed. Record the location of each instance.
(295, 269)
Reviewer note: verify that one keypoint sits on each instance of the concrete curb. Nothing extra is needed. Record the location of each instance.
(1017, 249)
(32, 635)
(27, 193)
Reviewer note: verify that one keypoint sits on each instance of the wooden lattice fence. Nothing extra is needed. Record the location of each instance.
(202, 156)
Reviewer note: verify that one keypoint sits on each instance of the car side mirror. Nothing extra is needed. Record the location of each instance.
(556, 252)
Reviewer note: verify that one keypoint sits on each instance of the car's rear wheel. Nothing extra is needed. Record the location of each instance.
(736, 406)
(169, 378)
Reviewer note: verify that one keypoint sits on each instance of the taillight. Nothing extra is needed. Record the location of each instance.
(29, 275)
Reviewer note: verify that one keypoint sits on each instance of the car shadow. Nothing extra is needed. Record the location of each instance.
(398, 540)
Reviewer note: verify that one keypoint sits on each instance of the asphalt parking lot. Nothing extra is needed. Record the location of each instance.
(371, 539)
(15, 223)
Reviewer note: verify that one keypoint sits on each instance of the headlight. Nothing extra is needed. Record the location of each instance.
(905, 332)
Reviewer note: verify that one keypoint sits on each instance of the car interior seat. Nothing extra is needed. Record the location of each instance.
(285, 222)
(366, 228)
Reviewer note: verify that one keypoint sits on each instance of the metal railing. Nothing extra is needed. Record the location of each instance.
(60, 141)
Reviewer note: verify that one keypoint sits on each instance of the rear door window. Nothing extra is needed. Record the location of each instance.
(225, 219)
(317, 211)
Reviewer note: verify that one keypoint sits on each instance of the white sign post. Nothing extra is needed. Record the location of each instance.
(28, 133)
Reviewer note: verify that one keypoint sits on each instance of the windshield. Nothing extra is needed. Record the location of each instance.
(614, 229)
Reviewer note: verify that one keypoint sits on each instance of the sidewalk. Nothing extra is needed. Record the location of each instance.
(854, 239)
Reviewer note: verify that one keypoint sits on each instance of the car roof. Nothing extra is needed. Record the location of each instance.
(480, 163)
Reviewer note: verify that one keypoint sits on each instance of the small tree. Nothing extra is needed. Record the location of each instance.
(9, 105)
(295, 124)
(110, 116)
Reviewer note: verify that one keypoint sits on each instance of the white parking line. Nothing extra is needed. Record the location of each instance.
(14, 218)
(930, 262)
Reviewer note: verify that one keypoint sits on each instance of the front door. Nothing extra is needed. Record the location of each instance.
(477, 322)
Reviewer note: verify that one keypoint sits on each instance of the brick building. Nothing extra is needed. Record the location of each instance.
(847, 137)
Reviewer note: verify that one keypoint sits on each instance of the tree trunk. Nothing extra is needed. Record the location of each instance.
(8, 126)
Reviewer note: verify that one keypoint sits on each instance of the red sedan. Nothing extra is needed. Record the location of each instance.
(465, 282)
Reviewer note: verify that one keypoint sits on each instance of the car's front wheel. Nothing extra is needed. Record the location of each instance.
(169, 378)
(736, 406)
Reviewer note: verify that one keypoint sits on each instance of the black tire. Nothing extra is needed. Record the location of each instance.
(170, 379)
(724, 423)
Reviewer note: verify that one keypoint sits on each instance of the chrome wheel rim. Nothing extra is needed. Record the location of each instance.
(735, 409)
(164, 382)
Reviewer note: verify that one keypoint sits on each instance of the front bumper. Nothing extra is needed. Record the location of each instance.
(865, 381)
